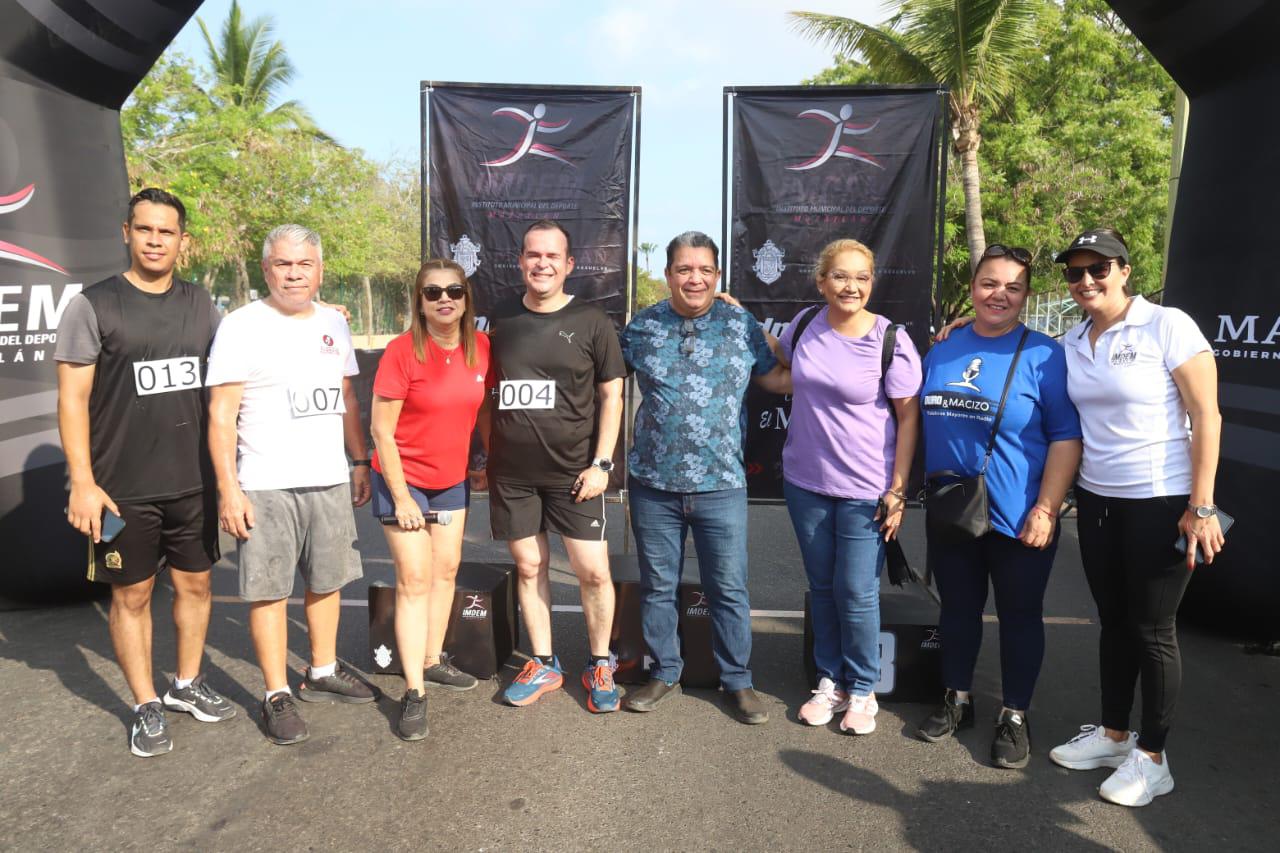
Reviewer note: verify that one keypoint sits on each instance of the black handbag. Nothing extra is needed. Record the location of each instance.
(956, 507)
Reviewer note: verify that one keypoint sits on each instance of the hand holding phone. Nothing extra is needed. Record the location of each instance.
(112, 524)
(1224, 524)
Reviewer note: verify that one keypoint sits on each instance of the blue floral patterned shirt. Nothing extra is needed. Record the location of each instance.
(693, 374)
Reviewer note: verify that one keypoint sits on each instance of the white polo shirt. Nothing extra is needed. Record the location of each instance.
(1136, 438)
(289, 432)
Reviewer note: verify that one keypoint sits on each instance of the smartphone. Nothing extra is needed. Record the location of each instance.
(1224, 521)
(112, 524)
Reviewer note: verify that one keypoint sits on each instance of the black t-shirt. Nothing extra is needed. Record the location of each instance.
(147, 412)
(545, 369)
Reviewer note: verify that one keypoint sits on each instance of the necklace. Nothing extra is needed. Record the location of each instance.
(447, 353)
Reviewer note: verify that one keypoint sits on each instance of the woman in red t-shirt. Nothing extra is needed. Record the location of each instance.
(428, 392)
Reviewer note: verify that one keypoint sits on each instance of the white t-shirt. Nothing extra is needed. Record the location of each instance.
(289, 432)
(1136, 438)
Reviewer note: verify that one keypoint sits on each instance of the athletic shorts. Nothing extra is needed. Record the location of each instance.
(518, 511)
(453, 498)
(181, 533)
(312, 530)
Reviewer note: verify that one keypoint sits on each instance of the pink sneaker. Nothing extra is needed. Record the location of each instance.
(827, 701)
(861, 716)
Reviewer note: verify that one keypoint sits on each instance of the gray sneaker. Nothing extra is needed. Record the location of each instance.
(448, 676)
(200, 701)
(342, 686)
(413, 716)
(149, 734)
(284, 724)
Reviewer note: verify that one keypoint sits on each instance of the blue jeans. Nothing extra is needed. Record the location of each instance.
(661, 520)
(843, 550)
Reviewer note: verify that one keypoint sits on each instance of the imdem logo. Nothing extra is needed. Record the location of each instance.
(533, 125)
(698, 606)
(474, 608)
(8, 251)
(841, 126)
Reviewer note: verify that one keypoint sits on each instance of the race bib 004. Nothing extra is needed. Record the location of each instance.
(307, 401)
(527, 394)
(166, 374)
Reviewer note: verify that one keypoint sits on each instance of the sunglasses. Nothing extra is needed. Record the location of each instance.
(1097, 271)
(433, 292)
(999, 250)
(687, 342)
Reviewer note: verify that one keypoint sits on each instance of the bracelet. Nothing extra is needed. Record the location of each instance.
(1047, 514)
(899, 495)
(361, 463)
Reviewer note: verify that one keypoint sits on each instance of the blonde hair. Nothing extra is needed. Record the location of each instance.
(418, 325)
(827, 258)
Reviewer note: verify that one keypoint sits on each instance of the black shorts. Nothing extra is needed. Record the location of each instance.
(181, 533)
(518, 511)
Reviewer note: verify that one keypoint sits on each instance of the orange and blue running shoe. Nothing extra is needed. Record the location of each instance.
(602, 693)
(534, 680)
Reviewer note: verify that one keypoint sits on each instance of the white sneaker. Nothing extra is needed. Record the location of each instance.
(1092, 749)
(860, 718)
(826, 702)
(1138, 781)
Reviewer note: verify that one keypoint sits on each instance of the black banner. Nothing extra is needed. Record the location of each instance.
(65, 69)
(501, 157)
(815, 164)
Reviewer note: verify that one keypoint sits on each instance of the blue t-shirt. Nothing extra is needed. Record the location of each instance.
(693, 374)
(963, 378)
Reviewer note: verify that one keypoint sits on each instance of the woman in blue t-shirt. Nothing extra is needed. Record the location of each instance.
(1033, 461)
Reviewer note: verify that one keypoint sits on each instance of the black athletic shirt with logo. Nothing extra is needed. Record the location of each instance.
(143, 446)
(571, 351)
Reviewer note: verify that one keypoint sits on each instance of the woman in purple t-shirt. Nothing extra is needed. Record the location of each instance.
(849, 449)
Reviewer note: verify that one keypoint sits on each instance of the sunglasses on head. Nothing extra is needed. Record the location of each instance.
(1096, 271)
(687, 333)
(999, 250)
(433, 292)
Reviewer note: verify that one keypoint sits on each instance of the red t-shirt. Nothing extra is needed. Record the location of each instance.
(441, 400)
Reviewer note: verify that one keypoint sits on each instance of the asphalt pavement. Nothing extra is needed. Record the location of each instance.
(552, 776)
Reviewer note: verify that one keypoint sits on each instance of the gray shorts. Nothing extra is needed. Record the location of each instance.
(311, 529)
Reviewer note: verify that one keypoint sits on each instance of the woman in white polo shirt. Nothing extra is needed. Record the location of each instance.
(1135, 372)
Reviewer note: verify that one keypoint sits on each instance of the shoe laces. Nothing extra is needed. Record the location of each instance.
(1131, 769)
(826, 693)
(602, 678)
(152, 718)
(531, 671)
(413, 701)
(1087, 732)
(1007, 729)
(198, 687)
(281, 704)
(860, 704)
(447, 668)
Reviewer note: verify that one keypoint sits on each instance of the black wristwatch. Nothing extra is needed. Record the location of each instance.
(361, 463)
(605, 465)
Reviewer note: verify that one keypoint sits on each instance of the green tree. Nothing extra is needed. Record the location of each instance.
(648, 249)
(976, 48)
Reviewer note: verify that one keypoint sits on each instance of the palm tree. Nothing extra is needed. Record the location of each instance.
(648, 249)
(978, 48)
(251, 68)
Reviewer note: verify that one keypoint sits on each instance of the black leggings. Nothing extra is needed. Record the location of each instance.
(1137, 579)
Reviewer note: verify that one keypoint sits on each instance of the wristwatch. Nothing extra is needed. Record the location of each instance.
(605, 465)
(361, 463)
(1203, 511)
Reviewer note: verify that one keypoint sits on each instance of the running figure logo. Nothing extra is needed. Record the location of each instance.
(533, 125)
(10, 252)
(840, 127)
(970, 373)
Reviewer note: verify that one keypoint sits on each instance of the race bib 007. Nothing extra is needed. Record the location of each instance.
(307, 401)
(166, 374)
(527, 394)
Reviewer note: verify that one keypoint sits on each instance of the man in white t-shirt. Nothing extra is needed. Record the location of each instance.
(281, 406)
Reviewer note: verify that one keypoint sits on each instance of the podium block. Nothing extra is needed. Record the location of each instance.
(910, 651)
(483, 630)
(626, 640)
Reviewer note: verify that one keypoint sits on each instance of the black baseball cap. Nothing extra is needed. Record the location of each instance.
(1102, 242)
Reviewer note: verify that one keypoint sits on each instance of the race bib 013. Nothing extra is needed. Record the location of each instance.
(166, 374)
(527, 394)
(307, 401)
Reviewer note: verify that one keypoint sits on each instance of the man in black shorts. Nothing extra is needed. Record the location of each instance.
(551, 453)
(131, 410)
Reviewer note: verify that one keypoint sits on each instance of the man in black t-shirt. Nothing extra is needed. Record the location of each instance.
(558, 375)
(131, 352)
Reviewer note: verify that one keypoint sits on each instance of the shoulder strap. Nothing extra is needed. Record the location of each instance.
(1008, 380)
(802, 321)
(886, 358)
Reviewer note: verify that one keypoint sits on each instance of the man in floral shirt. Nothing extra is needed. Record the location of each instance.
(693, 356)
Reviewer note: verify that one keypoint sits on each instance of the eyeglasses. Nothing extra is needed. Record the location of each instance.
(843, 279)
(999, 250)
(1097, 271)
(433, 292)
(688, 343)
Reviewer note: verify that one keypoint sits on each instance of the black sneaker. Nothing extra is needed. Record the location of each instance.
(342, 686)
(149, 734)
(200, 701)
(284, 724)
(413, 716)
(448, 676)
(949, 718)
(1012, 744)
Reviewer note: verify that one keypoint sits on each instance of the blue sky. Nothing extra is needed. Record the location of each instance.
(359, 66)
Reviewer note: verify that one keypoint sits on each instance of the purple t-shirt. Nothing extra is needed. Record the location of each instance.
(842, 437)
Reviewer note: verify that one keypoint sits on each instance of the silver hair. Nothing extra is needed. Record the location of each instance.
(294, 234)
(691, 240)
